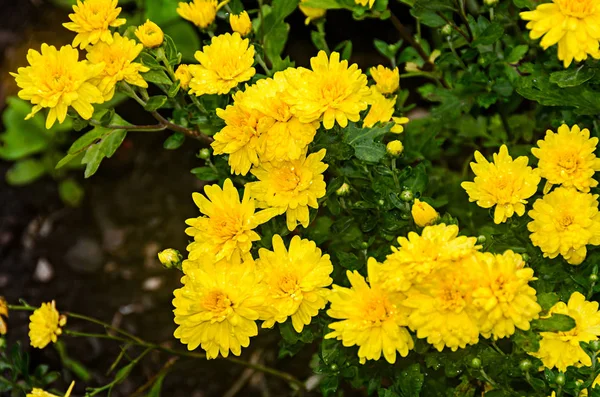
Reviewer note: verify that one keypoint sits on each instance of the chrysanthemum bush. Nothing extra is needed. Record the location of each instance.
(436, 241)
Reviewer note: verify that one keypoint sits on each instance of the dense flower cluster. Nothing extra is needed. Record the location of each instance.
(438, 285)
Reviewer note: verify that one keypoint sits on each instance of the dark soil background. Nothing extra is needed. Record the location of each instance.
(100, 259)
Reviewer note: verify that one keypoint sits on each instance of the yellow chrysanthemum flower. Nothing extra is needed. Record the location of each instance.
(225, 63)
(241, 138)
(567, 158)
(564, 222)
(398, 127)
(423, 214)
(56, 79)
(311, 13)
(286, 137)
(226, 230)
(387, 80)
(241, 23)
(382, 108)
(44, 325)
(290, 187)
(117, 58)
(150, 34)
(218, 306)
(562, 349)
(183, 75)
(438, 247)
(503, 294)
(3, 314)
(296, 281)
(365, 2)
(92, 21)
(442, 307)
(41, 393)
(503, 183)
(331, 91)
(200, 12)
(573, 24)
(371, 318)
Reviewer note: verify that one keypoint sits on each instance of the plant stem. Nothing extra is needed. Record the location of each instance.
(262, 63)
(453, 25)
(429, 66)
(146, 128)
(463, 15)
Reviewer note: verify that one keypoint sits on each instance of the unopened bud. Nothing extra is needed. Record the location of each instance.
(423, 213)
(343, 190)
(395, 148)
(481, 239)
(560, 379)
(407, 196)
(170, 258)
(490, 3)
(476, 363)
(204, 154)
(447, 30)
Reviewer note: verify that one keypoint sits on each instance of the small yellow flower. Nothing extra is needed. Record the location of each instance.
(567, 158)
(117, 58)
(44, 325)
(92, 21)
(241, 23)
(3, 313)
(242, 137)
(286, 137)
(331, 91)
(57, 80)
(296, 281)
(394, 148)
(41, 393)
(438, 247)
(183, 75)
(398, 127)
(226, 230)
(504, 183)
(563, 222)
(343, 190)
(504, 295)
(200, 12)
(423, 214)
(311, 13)
(170, 258)
(371, 318)
(150, 34)
(365, 2)
(290, 187)
(387, 80)
(218, 306)
(562, 349)
(225, 63)
(443, 311)
(382, 108)
(573, 24)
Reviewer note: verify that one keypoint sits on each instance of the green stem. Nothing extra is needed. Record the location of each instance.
(144, 128)
(453, 25)
(262, 63)
(487, 378)
(463, 15)
(198, 104)
(396, 182)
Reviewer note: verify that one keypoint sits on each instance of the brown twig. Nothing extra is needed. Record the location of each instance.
(178, 128)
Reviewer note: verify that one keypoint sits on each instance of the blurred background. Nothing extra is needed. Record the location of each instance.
(92, 244)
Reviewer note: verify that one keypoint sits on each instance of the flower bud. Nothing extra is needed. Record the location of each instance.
(525, 365)
(311, 13)
(184, 76)
(481, 239)
(241, 23)
(387, 80)
(476, 363)
(490, 3)
(407, 196)
(423, 213)
(447, 30)
(343, 190)
(170, 258)
(595, 345)
(204, 154)
(593, 278)
(395, 148)
(150, 34)
(560, 379)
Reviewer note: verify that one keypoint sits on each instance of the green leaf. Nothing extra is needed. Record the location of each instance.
(572, 77)
(157, 386)
(149, 60)
(555, 323)
(22, 137)
(276, 39)
(174, 141)
(186, 38)
(275, 29)
(411, 380)
(109, 144)
(205, 173)
(25, 171)
(174, 89)
(517, 53)
(161, 11)
(325, 4)
(318, 39)
(529, 4)
(366, 142)
(547, 299)
(71, 192)
(489, 35)
(157, 77)
(155, 102)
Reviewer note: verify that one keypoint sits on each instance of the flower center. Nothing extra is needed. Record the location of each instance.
(568, 162)
(377, 309)
(217, 302)
(577, 8)
(288, 285)
(566, 221)
(226, 226)
(451, 299)
(502, 289)
(287, 179)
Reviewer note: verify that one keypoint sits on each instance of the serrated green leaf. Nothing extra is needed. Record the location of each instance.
(155, 102)
(25, 171)
(555, 323)
(157, 77)
(491, 34)
(547, 299)
(366, 142)
(205, 173)
(517, 53)
(174, 141)
(572, 77)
